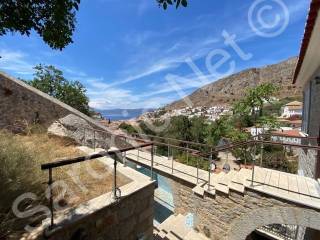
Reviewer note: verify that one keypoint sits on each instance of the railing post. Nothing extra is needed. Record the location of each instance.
(94, 140)
(172, 164)
(253, 162)
(84, 137)
(197, 170)
(245, 157)
(261, 157)
(51, 198)
(152, 159)
(124, 159)
(187, 154)
(209, 180)
(114, 178)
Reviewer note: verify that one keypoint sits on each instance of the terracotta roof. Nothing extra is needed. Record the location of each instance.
(311, 20)
(288, 133)
(294, 103)
(294, 107)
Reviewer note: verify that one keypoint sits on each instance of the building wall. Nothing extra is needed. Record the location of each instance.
(314, 120)
(218, 217)
(307, 163)
(308, 160)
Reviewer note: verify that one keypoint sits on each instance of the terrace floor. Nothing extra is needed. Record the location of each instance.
(291, 187)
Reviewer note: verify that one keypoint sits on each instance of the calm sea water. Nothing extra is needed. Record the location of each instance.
(122, 114)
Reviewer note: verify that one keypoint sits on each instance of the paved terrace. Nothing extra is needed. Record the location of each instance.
(290, 187)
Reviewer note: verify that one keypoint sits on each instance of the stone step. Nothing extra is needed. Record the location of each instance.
(198, 190)
(235, 186)
(167, 224)
(172, 236)
(180, 228)
(193, 235)
(211, 191)
(224, 182)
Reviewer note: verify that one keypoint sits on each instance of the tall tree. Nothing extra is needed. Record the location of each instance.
(53, 20)
(50, 80)
(197, 129)
(251, 106)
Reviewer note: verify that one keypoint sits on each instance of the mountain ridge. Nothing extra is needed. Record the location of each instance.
(227, 90)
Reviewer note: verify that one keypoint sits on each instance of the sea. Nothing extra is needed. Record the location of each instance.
(123, 114)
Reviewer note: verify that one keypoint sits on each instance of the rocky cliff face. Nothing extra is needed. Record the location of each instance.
(227, 90)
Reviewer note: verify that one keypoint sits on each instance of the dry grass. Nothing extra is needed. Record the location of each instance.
(20, 159)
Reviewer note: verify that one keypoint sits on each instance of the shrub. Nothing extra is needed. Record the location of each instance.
(128, 128)
(20, 160)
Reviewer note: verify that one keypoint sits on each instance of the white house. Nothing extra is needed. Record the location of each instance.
(292, 109)
(287, 136)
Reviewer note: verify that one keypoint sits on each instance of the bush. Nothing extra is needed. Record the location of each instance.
(128, 128)
(19, 171)
(20, 159)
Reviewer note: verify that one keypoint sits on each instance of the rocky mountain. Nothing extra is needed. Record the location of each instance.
(227, 90)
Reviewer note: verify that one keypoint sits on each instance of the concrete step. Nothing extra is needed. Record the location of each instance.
(211, 191)
(166, 225)
(193, 235)
(175, 228)
(198, 190)
(224, 182)
(180, 228)
(172, 236)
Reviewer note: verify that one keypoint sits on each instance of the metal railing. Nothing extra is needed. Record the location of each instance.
(204, 155)
(283, 231)
(114, 154)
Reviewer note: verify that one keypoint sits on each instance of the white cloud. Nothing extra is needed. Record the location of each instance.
(15, 61)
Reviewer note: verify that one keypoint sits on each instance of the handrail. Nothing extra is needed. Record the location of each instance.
(64, 162)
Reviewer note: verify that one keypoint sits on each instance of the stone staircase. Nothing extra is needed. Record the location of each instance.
(279, 184)
(176, 228)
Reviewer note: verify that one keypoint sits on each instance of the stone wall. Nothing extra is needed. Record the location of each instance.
(218, 217)
(130, 218)
(23, 104)
(307, 163)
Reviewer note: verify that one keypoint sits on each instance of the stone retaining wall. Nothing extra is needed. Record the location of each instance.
(130, 218)
(23, 104)
(217, 217)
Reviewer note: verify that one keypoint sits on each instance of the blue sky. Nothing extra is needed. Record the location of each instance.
(134, 54)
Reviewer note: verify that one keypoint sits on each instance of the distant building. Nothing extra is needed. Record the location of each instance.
(287, 136)
(292, 109)
(294, 124)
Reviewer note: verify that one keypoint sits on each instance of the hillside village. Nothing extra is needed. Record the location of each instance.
(237, 159)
